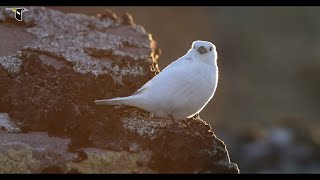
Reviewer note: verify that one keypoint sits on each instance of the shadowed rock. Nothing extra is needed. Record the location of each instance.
(50, 81)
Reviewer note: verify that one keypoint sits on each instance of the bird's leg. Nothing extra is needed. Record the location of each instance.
(197, 116)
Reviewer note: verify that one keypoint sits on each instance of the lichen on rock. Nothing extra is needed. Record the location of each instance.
(6, 124)
(24, 156)
(11, 63)
(146, 126)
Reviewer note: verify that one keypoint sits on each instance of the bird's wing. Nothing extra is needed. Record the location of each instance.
(143, 88)
(176, 63)
(172, 66)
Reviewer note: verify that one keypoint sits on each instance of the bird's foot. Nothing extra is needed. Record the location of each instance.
(196, 116)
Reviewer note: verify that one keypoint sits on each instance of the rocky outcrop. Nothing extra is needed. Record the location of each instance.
(50, 76)
(36, 152)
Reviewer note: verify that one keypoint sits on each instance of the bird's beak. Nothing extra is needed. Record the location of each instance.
(202, 50)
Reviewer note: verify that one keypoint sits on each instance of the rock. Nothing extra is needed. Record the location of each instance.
(287, 148)
(32, 152)
(149, 145)
(6, 125)
(36, 152)
(50, 81)
(70, 61)
(177, 147)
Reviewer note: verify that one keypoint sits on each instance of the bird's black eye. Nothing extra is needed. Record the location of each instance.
(194, 47)
(210, 48)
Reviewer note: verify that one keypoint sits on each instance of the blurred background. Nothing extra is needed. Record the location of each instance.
(267, 105)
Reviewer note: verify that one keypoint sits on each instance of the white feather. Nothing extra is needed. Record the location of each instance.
(182, 89)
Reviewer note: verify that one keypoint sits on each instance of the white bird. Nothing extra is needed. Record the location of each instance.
(182, 89)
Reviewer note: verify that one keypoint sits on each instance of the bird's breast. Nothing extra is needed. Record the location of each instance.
(206, 76)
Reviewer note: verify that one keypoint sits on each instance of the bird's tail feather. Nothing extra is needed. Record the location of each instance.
(114, 101)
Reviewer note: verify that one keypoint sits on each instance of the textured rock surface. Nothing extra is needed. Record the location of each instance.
(49, 81)
(37, 153)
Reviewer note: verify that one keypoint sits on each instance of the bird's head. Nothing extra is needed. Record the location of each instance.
(204, 50)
